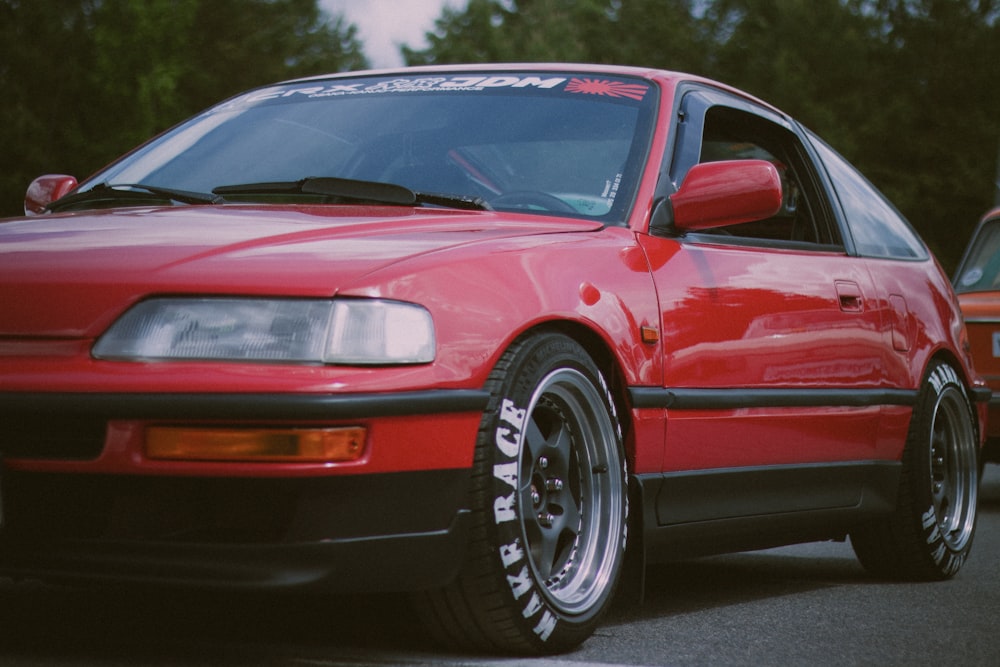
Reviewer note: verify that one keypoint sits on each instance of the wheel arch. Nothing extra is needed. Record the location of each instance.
(948, 357)
(607, 361)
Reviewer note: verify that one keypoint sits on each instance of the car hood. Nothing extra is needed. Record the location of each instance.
(70, 275)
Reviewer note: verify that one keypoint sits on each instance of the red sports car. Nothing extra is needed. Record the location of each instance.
(977, 282)
(491, 335)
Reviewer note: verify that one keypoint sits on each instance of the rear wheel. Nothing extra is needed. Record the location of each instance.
(930, 534)
(550, 507)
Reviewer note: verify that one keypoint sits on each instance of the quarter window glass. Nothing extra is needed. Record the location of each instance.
(877, 228)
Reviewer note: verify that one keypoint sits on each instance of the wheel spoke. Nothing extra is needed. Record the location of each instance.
(570, 519)
(534, 440)
(556, 532)
(543, 548)
(560, 449)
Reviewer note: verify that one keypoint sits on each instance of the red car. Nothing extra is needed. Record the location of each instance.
(483, 334)
(977, 282)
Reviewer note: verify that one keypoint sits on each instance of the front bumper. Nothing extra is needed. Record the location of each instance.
(80, 502)
(349, 534)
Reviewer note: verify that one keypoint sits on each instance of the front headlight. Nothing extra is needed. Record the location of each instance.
(341, 331)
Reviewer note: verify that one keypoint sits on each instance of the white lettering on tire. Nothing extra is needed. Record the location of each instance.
(508, 435)
(947, 560)
(503, 508)
(511, 553)
(507, 473)
(545, 626)
(508, 444)
(520, 583)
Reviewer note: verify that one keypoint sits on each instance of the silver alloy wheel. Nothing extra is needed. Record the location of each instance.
(954, 469)
(571, 495)
(549, 507)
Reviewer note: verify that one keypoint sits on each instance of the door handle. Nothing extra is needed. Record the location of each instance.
(849, 295)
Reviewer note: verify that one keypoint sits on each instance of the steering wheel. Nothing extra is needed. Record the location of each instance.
(531, 198)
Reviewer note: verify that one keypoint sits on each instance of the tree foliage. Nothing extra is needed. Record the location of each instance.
(85, 80)
(908, 90)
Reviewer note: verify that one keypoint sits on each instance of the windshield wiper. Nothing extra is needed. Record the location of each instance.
(135, 193)
(463, 202)
(348, 189)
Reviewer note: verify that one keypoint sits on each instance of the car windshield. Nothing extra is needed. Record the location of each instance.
(980, 270)
(562, 143)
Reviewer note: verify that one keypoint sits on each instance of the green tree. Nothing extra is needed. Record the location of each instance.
(525, 31)
(933, 149)
(46, 51)
(906, 89)
(660, 33)
(816, 59)
(644, 32)
(470, 35)
(138, 65)
(244, 43)
(85, 80)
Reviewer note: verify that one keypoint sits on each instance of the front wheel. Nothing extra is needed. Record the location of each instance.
(930, 534)
(550, 507)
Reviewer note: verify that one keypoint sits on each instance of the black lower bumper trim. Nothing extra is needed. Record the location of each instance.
(372, 564)
(345, 533)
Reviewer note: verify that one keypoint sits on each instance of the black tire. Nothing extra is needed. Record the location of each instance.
(550, 507)
(930, 534)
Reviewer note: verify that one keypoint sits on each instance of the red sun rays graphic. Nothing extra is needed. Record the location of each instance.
(608, 88)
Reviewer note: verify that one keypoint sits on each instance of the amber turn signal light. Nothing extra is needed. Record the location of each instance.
(286, 445)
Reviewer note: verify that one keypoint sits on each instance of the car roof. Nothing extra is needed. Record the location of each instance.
(583, 68)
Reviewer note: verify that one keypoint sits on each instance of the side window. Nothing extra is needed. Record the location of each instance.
(731, 134)
(877, 228)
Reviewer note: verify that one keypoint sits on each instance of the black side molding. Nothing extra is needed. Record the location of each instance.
(735, 398)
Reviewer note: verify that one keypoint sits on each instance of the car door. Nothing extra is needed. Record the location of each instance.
(773, 338)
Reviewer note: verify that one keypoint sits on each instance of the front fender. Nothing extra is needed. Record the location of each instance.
(484, 295)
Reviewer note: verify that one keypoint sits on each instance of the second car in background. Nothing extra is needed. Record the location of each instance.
(977, 282)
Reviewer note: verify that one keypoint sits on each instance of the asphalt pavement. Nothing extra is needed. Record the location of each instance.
(801, 605)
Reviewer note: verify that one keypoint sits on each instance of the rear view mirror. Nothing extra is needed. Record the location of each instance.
(46, 189)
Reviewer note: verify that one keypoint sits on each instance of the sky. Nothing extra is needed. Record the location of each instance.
(383, 25)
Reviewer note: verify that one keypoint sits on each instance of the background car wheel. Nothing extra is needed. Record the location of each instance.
(550, 503)
(930, 534)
